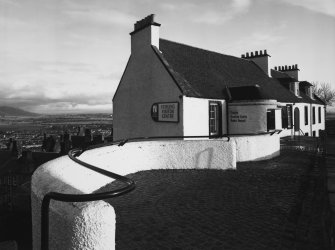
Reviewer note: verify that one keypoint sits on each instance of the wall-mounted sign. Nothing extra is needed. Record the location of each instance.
(236, 117)
(165, 112)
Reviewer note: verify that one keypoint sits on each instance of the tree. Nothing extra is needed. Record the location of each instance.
(325, 92)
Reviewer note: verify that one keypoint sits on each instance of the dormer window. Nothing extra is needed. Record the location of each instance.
(294, 88)
(309, 92)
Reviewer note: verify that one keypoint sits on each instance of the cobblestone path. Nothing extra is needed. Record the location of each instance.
(252, 207)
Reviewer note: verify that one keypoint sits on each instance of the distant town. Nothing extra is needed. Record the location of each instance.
(26, 142)
(30, 132)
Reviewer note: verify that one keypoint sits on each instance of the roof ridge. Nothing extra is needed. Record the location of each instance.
(205, 50)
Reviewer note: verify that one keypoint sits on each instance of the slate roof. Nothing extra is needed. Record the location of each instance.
(205, 74)
(278, 74)
(245, 92)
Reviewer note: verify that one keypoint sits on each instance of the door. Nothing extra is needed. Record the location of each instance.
(296, 119)
(215, 119)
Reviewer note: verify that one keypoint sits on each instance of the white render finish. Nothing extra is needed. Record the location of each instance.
(196, 116)
(72, 225)
(278, 124)
(256, 147)
(91, 225)
(249, 117)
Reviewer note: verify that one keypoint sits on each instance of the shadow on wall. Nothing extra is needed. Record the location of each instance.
(204, 159)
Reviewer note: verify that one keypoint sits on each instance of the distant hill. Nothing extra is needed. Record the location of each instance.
(10, 111)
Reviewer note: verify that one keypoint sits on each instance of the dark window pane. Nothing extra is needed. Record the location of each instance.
(284, 118)
(271, 119)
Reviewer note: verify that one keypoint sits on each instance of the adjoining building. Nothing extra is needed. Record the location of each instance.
(172, 89)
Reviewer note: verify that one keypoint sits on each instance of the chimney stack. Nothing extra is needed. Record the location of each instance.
(145, 34)
(291, 70)
(260, 58)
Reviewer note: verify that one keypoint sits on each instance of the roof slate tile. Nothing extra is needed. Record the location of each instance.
(205, 74)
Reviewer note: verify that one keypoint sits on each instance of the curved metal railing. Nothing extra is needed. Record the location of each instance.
(130, 184)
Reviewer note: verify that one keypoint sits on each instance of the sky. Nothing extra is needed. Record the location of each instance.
(67, 56)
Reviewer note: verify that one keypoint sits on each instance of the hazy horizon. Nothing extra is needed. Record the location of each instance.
(69, 55)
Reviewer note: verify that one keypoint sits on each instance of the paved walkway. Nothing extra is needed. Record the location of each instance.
(257, 206)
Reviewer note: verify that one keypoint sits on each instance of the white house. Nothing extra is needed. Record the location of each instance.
(172, 89)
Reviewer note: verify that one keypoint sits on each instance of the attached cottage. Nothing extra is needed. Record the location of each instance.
(172, 89)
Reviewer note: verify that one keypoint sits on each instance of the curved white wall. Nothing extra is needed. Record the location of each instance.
(91, 225)
(249, 117)
(257, 147)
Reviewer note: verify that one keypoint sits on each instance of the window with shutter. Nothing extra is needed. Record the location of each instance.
(284, 119)
(271, 119)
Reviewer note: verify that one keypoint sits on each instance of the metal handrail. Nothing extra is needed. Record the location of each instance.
(130, 184)
(301, 132)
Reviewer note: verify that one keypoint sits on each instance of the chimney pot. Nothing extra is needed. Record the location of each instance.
(247, 55)
(261, 60)
(285, 67)
(243, 56)
(275, 67)
(148, 20)
(150, 34)
(289, 67)
(265, 52)
(296, 66)
(261, 52)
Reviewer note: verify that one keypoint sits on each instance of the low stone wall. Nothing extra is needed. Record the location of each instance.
(91, 225)
(256, 147)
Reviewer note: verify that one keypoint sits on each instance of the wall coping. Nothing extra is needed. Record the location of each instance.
(85, 228)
